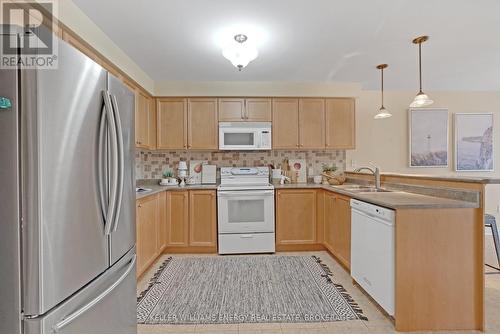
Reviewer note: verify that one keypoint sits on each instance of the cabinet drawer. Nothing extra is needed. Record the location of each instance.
(246, 243)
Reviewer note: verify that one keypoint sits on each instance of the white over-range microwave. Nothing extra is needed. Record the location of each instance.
(245, 135)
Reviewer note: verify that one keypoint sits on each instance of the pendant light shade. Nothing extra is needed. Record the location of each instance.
(382, 112)
(422, 99)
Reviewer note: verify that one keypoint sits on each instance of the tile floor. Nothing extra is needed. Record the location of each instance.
(377, 324)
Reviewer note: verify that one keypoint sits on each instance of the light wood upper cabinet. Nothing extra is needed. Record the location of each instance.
(285, 123)
(312, 123)
(141, 121)
(340, 123)
(296, 217)
(151, 123)
(147, 230)
(338, 227)
(258, 110)
(231, 110)
(171, 117)
(202, 218)
(177, 218)
(245, 110)
(202, 126)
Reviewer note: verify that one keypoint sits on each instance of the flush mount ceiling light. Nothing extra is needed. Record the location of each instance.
(421, 100)
(382, 112)
(240, 53)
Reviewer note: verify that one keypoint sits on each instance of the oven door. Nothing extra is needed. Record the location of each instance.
(238, 139)
(246, 211)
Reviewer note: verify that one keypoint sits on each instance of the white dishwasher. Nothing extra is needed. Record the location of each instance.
(372, 252)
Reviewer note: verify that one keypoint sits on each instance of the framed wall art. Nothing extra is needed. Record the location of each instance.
(473, 142)
(428, 132)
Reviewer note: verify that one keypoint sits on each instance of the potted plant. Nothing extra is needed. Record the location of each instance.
(329, 169)
(168, 176)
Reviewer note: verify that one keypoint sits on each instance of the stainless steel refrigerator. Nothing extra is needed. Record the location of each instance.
(67, 202)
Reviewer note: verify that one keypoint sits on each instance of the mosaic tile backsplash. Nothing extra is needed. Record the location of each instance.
(151, 164)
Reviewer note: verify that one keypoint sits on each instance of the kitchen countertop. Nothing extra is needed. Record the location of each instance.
(454, 178)
(156, 188)
(392, 200)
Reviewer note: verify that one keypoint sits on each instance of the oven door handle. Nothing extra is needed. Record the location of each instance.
(252, 193)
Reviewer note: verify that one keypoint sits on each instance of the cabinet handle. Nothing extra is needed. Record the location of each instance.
(140, 205)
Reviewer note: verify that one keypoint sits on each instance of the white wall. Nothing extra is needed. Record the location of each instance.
(385, 141)
(76, 20)
(251, 88)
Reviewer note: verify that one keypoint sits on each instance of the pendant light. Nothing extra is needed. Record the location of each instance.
(240, 53)
(422, 99)
(382, 112)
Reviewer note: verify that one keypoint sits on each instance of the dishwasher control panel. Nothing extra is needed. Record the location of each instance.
(373, 210)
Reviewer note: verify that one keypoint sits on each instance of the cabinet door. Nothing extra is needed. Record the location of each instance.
(151, 123)
(147, 217)
(142, 121)
(296, 217)
(171, 118)
(162, 221)
(285, 123)
(340, 123)
(342, 230)
(231, 110)
(202, 124)
(329, 220)
(177, 218)
(258, 110)
(202, 218)
(312, 123)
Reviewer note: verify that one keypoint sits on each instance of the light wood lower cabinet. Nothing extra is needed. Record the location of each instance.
(147, 218)
(162, 221)
(175, 221)
(296, 216)
(202, 218)
(178, 218)
(337, 227)
(191, 221)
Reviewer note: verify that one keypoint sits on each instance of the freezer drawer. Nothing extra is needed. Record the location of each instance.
(246, 243)
(105, 306)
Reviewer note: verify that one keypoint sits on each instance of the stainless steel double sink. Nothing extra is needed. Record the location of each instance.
(357, 188)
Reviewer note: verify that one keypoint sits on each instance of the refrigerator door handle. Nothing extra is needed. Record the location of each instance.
(102, 153)
(113, 162)
(67, 320)
(121, 162)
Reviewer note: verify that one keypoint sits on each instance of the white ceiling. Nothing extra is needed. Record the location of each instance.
(315, 40)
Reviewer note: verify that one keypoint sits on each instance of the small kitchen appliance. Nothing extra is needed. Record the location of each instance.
(245, 136)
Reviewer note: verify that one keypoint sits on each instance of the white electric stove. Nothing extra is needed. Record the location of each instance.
(245, 211)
